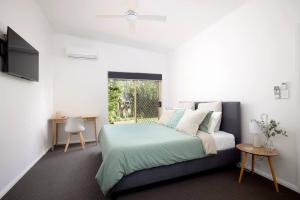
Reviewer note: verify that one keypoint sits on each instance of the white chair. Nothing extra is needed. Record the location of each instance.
(74, 125)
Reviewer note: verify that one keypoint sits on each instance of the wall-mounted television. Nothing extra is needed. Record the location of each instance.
(20, 58)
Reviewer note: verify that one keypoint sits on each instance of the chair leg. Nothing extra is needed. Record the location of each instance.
(81, 140)
(68, 142)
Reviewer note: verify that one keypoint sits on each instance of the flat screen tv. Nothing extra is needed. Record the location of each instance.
(22, 60)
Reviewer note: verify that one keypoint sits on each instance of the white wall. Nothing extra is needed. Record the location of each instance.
(297, 63)
(241, 58)
(80, 86)
(25, 106)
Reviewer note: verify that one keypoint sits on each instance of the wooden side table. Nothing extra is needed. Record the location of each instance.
(257, 151)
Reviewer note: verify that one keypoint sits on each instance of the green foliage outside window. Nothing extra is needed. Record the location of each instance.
(122, 99)
(114, 93)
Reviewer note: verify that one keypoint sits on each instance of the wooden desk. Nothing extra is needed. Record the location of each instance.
(257, 151)
(62, 120)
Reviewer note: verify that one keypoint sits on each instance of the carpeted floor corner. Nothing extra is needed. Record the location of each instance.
(71, 176)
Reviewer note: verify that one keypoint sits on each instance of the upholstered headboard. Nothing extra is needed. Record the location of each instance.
(231, 119)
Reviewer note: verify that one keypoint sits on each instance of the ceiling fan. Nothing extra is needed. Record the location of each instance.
(132, 16)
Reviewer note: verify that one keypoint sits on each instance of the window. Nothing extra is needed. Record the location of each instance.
(132, 98)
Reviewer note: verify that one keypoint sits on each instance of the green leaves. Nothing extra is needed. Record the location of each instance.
(271, 128)
(121, 100)
(114, 94)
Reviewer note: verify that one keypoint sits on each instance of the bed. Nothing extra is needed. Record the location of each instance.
(190, 158)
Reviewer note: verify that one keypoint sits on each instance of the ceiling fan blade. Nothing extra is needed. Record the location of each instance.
(131, 25)
(110, 16)
(132, 4)
(153, 17)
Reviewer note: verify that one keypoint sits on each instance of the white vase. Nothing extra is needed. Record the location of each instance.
(256, 141)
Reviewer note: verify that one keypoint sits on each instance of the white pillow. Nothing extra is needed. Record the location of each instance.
(211, 106)
(190, 121)
(165, 115)
(216, 117)
(214, 122)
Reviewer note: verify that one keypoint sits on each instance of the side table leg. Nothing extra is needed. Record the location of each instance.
(273, 173)
(244, 160)
(252, 164)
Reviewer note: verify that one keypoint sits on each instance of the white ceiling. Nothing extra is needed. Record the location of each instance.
(185, 18)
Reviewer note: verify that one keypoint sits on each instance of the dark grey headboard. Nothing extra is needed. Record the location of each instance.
(231, 119)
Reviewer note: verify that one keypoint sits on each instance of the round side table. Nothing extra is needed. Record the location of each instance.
(257, 151)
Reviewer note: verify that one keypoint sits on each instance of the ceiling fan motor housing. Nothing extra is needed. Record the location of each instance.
(131, 15)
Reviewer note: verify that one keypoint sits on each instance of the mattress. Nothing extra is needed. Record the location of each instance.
(224, 140)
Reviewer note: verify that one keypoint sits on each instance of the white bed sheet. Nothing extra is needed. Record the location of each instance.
(224, 140)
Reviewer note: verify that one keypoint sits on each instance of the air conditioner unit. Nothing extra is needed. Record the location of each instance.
(82, 53)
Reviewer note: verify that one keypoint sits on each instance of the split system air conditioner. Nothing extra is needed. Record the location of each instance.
(82, 53)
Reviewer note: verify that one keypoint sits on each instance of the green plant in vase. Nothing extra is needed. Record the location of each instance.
(270, 128)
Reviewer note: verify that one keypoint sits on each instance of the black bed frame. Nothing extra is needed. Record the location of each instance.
(231, 123)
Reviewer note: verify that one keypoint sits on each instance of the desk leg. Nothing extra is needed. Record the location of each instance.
(252, 164)
(273, 173)
(56, 132)
(245, 155)
(53, 135)
(95, 126)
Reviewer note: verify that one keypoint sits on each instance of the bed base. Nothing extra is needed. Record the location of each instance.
(163, 173)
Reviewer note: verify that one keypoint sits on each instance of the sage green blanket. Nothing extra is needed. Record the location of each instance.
(128, 148)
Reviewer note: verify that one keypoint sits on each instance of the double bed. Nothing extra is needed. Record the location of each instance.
(141, 154)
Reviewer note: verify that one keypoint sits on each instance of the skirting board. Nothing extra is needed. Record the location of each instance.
(23, 172)
(269, 176)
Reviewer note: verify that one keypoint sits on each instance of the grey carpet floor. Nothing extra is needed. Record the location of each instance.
(70, 176)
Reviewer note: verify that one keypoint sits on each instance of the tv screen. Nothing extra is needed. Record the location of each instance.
(22, 59)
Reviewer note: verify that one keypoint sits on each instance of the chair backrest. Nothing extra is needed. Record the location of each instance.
(74, 124)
